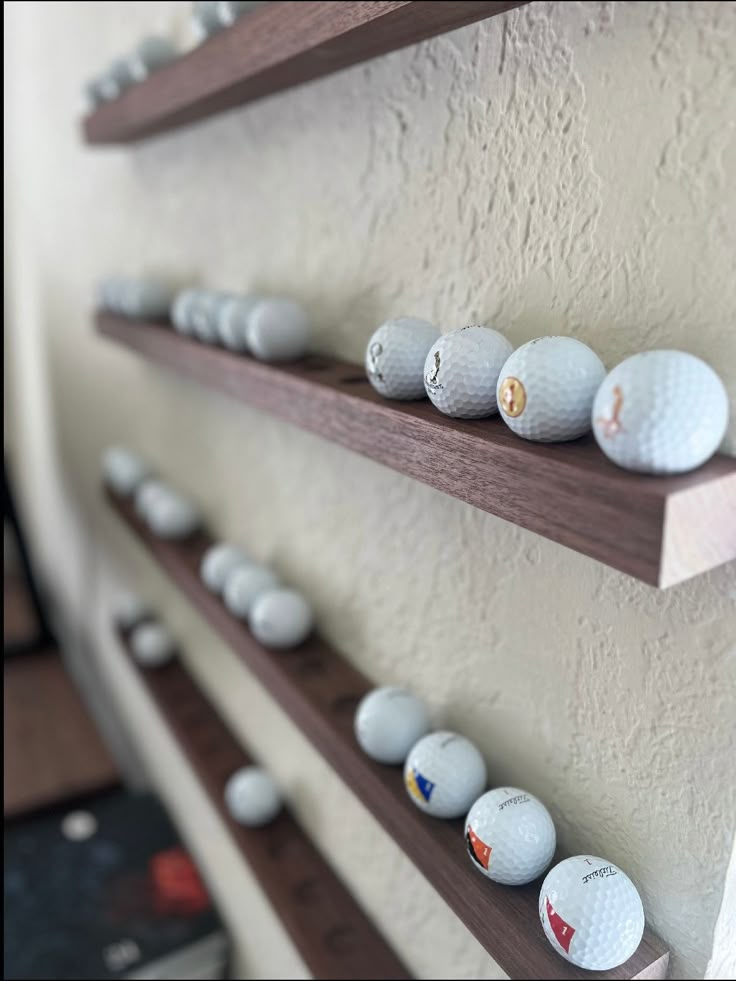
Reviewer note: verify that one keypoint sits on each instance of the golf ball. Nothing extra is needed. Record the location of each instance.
(171, 516)
(252, 798)
(150, 54)
(591, 912)
(395, 356)
(546, 389)
(278, 330)
(205, 19)
(510, 836)
(204, 313)
(444, 773)
(145, 299)
(228, 11)
(181, 310)
(281, 618)
(129, 610)
(461, 371)
(218, 562)
(122, 470)
(388, 722)
(115, 80)
(148, 492)
(152, 645)
(660, 412)
(244, 585)
(232, 321)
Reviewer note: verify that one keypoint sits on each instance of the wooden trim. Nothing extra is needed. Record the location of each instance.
(661, 530)
(271, 49)
(319, 689)
(328, 928)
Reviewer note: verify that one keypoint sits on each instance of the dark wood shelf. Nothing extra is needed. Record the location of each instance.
(331, 932)
(320, 689)
(662, 530)
(271, 49)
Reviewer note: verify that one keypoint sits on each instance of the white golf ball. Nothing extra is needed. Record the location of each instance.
(147, 493)
(92, 95)
(182, 309)
(388, 722)
(395, 356)
(252, 798)
(123, 471)
(171, 516)
(146, 299)
(281, 618)
(278, 330)
(660, 412)
(510, 836)
(444, 773)
(461, 371)
(149, 55)
(204, 314)
(152, 645)
(243, 587)
(546, 389)
(219, 562)
(129, 610)
(232, 321)
(115, 80)
(591, 913)
(229, 11)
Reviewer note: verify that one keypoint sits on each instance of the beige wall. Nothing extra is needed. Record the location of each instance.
(565, 168)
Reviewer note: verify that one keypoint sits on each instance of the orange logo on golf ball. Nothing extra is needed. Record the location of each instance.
(513, 397)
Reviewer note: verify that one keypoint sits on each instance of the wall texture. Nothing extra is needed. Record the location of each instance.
(564, 168)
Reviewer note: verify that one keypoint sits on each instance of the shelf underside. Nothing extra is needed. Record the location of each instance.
(328, 928)
(661, 530)
(271, 49)
(319, 690)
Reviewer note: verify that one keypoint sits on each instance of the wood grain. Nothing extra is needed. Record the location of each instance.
(331, 932)
(52, 751)
(319, 689)
(660, 530)
(271, 49)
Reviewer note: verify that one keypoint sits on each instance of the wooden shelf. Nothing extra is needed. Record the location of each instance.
(271, 49)
(333, 935)
(319, 689)
(661, 530)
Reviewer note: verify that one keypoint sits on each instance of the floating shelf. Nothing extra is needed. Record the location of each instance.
(330, 931)
(659, 529)
(271, 49)
(320, 691)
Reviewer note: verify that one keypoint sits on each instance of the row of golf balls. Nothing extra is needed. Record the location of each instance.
(269, 328)
(658, 412)
(590, 910)
(278, 617)
(155, 51)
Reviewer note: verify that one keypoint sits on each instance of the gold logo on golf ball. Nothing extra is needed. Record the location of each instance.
(513, 397)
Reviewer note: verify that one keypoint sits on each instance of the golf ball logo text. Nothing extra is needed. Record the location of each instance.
(433, 375)
(513, 397)
(419, 786)
(374, 352)
(563, 931)
(602, 873)
(517, 799)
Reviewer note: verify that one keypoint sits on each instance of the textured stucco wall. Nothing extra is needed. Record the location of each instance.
(564, 168)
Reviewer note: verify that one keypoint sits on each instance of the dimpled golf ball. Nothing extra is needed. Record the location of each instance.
(591, 912)
(123, 470)
(278, 330)
(388, 722)
(232, 321)
(252, 798)
(146, 494)
(281, 619)
(443, 774)
(395, 356)
(152, 645)
(461, 371)
(172, 516)
(218, 562)
(546, 389)
(129, 610)
(510, 836)
(660, 412)
(204, 314)
(243, 587)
